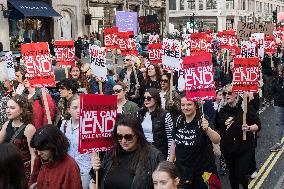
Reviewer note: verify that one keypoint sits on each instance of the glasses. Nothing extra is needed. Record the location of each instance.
(164, 81)
(148, 98)
(126, 59)
(116, 91)
(227, 93)
(127, 137)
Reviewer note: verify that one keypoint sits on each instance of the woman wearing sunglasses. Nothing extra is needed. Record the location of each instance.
(131, 161)
(193, 135)
(237, 152)
(171, 105)
(157, 123)
(124, 106)
(153, 76)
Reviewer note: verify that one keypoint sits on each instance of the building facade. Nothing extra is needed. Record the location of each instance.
(221, 14)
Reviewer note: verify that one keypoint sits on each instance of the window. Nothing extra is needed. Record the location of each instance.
(200, 4)
(191, 4)
(211, 4)
(230, 4)
(181, 4)
(173, 5)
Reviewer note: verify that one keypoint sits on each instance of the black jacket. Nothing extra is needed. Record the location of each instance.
(140, 181)
(232, 142)
(278, 92)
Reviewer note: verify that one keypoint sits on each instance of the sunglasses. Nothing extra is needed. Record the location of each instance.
(227, 93)
(116, 91)
(148, 98)
(127, 137)
(126, 59)
(164, 81)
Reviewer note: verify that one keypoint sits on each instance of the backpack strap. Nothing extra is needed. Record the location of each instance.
(17, 133)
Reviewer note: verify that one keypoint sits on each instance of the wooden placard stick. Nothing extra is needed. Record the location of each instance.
(228, 62)
(171, 84)
(114, 64)
(245, 108)
(43, 93)
(66, 72)
(100, 87)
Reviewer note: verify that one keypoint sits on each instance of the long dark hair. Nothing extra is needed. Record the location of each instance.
(156, 96)
(158, 73)
(25, 105)
(168, 167)
(142, 146)
(51, 138)
(12, 171)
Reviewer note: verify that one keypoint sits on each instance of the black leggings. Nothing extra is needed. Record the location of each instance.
(238, 166)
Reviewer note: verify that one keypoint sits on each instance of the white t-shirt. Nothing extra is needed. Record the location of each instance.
(163, 99)
(147, 127)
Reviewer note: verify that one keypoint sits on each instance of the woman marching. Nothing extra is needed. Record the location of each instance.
(18, 130)
(193, 135)
(237, 152)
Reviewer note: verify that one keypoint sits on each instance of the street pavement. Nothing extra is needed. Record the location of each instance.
(270, 165)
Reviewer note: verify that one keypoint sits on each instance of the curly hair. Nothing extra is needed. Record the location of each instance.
(26, 106)
(51, 138)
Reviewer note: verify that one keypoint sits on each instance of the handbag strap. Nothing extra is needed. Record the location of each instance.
(17, 133)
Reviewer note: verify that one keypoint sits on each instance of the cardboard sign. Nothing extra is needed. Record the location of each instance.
(8, 59)
(98, 62)
(155, 53)
(110, 35)
(149, 24)
(65, 53)
(270, 45)
(245, 75)
(36, 57)
(127, 43)
(126, 21)
(228, 40)
(200, 43)
(258, 40)
(97, 120)
(245, 29)
(171, 57)
(248, 49)
(199, 77)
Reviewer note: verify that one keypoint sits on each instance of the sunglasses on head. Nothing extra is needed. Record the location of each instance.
(116, 91)
(148, 98)
(164, 81)
(227, 93)
(127, 137)
(126, 59)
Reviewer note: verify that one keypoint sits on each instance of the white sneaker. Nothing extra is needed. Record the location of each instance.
(254, 175)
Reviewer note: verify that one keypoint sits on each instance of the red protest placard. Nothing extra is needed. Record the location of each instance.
(155, 53)
(110, 35)
(245, 75)
(270, 45)
(228, 40)
(200, 43)
(199, 77)
(36, 57)
(65, 53)
(126, 43)
(97, 120)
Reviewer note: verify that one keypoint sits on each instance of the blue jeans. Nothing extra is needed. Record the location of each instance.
(279, 126)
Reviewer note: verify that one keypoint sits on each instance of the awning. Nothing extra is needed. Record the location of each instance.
(34, 8)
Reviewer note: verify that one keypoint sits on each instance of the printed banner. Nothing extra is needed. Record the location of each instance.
(8, 58)
(36, 57)
(245, 29)
(258, 40)
(186, 43)
(199, 77)
(171, 57)
(65, 53)
(228, 40)
(200, 43)
(149, 24)
(110, 35)
(245, 75)
(155, 53)
(97, 120)
(126, 21)
(127, 44)
(98, 62)
(270, 45)
(248, 49)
